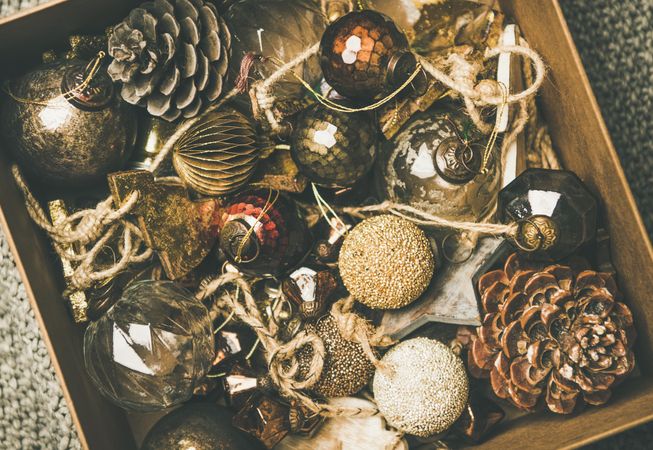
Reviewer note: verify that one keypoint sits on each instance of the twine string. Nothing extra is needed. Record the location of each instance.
(100, 225)
(283, 364)
(269, 203)
(424, 218)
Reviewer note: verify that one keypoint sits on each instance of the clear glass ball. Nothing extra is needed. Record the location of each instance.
(149, 351)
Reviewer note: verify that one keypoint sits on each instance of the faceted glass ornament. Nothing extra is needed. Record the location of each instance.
(149, 351)
(364, 54)
(434, 165)
(263, 233)
(556, 212)
(278, 30)
(331, 148)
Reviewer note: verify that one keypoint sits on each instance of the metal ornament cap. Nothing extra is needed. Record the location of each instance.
(95, 95)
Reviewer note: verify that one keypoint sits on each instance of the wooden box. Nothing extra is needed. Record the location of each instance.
(578, 132)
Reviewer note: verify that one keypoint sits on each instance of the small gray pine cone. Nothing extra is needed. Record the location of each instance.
(171, 56)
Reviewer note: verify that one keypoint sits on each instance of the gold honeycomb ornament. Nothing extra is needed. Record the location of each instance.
(218, 154)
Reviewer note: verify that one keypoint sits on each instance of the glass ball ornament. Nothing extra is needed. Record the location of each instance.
(150, 350)
(556, 212)
(198, 426)
(333, 149)
(434, 164)
(263, 233)
(363, 54)
(276, 30)
(63, 132)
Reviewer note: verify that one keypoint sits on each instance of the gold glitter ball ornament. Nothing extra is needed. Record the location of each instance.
(346, 369)
(425, 388)
(386, 262)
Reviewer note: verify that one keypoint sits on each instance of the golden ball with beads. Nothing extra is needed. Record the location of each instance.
(346, 367)
(386, 262)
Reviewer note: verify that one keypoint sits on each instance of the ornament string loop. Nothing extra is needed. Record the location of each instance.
(95, 226)
(424, 218)
(98, 225)
(90, 71)
(281, 356)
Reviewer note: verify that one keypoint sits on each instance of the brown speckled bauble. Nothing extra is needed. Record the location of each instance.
(346, 368)
(364, 54)
(425, 388)
(386, 262)
(73, 139)
(333, 149)
(198, 426)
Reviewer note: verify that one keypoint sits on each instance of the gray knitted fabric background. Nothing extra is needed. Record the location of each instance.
(615, 39)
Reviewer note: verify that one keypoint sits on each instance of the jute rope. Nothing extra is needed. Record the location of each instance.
(427, 219)
(283, 365)
(99, 226)
(461, 80)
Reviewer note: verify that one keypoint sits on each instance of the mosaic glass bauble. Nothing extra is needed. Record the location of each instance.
(263, 233)
(151, 348)
(198, 426)
(556, 212)
(434, 165)
(62, 133)
(364, 54)
(333, 149)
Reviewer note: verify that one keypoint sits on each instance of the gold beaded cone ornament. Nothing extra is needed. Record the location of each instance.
(386, 262)
(217, 155)
(424, 389)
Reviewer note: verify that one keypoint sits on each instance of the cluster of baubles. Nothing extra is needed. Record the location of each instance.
(154, 347)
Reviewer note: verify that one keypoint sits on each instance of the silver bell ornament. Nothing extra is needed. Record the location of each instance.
(436, 164)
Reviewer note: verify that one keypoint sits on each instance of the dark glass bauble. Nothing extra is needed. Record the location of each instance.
(364, 54)
(434, 165)
(278, 30)
(63, 134)
(556, 212)
(198, 426)
(331, 148)
(263, 233)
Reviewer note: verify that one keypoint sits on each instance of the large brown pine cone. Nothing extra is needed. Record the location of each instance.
(554, 332)
(171, 56)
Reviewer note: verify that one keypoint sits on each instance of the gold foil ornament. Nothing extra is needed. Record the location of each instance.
(77, 299)
(181, 231)
(218, 154)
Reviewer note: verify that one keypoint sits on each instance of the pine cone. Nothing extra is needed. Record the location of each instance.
(558, 332)
(171, 56)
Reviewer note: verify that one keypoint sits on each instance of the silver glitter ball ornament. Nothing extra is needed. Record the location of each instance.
(424, 389)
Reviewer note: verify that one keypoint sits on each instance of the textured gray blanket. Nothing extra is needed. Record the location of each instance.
(615, 38)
